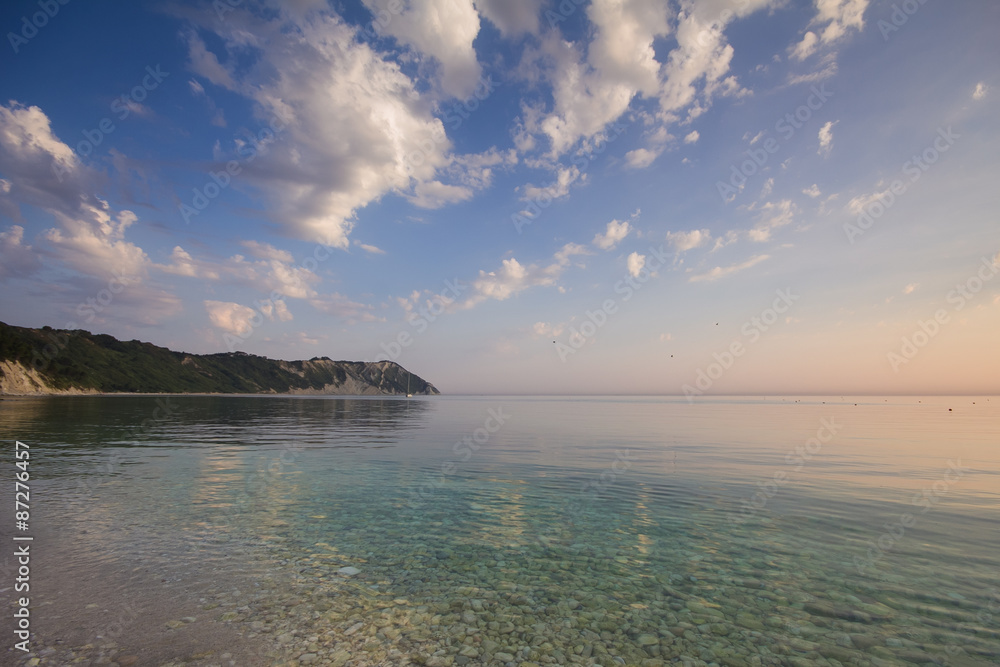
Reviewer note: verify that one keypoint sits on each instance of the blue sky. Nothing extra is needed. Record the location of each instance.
(520, 196)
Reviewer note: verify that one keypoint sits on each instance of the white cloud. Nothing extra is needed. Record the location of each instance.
(859, 204)
(980, 91)
(635, 263)
(39, 169)
(513, 277)
(806, 47)
(272, 271)
(684, 241)
(435, 194)
(375, 250)
(768, 187)
(812, 191)
(511, 17)
(544, 329)
(563, 255)
(231, 317)
(353, 126)
(267, 251)
(613, 234)
(772, 216)
(206, 64)
(909, 289)
(594, 84)
(692, 137)
(834, 18)
(730, 237)
(441, 29)
(826, 137)
(565, 177)
(276, 310)
(722, 272)
(640, 158)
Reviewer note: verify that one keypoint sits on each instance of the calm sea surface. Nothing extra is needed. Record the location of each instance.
(498, 530)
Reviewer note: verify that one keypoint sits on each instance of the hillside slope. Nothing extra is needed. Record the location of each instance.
(44, 361)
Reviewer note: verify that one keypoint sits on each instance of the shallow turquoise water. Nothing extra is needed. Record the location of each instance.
(492, 530)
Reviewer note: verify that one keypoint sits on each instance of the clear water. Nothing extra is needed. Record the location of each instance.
(637, 531)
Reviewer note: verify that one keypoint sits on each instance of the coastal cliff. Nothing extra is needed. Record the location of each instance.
(54, 361)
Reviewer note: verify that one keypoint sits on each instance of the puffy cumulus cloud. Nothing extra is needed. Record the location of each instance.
(622, 48)
(635, 263)
(435, 194)
(272, 270)
(692, 137)
(511, 17)
(613, 234)
(812, 191)
(684, 241)
(772, 216)
(640, 158)
(585, 101)
(233, 318)
(351, 125)
(513, 277)
(94, 244)
(470, 172)
(834, 18)
(475, 170)
(17, 259)
(565, 177)
(826, 137)
(980, 91)
(595, 82)
(441, 29)
(39, 169)
(723, 271)
(43, 171)
(276, 310)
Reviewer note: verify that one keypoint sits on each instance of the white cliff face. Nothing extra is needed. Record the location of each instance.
(18, 380)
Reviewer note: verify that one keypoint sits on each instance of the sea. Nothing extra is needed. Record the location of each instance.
(501, 530)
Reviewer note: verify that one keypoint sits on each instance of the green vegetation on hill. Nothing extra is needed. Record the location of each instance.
(81, 360)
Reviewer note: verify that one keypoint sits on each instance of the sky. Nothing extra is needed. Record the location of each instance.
(517, 196)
